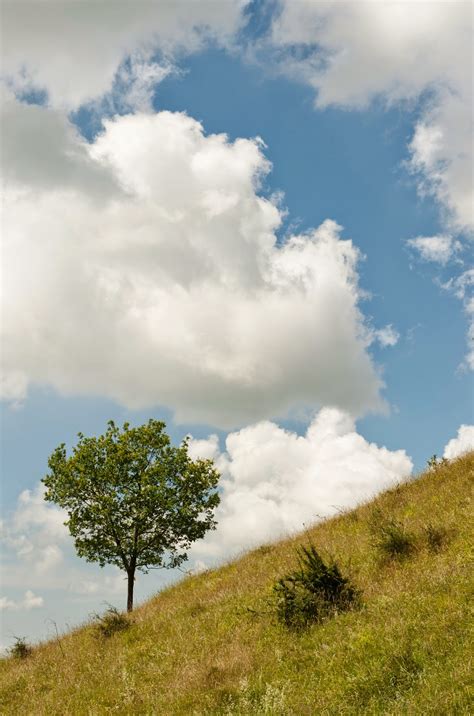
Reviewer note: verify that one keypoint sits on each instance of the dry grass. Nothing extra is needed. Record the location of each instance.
(210, 646)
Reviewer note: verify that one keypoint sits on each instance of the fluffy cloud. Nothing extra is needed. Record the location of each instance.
(145, 267)
(442, 156)
(355, 52)
(276, 482)
(73, 50)
(42, 151)
(464, 442)
(29, 601)
(438, 249)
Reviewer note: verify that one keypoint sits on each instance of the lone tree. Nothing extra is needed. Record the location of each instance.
(133, 499)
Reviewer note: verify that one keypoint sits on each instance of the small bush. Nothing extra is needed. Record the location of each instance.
(20, 649)
(111, 622)
(393, 540)
(313, 592)
(435, 537)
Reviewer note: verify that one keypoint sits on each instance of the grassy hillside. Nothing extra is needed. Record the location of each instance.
(212, 645)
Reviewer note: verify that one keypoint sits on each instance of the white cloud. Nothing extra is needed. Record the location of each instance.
(464, 442)
(32, 532)
(206, 449)
(33, 511)
(74, 49)
(442, 156)
(276, 482)
(135, 84)
(13, 388)
(42, 151)
(443, 250)
(438, 249)
(38, 552)
(461, 287)
(387, 336)
(144, 267)
(356, 52)
(29, 601)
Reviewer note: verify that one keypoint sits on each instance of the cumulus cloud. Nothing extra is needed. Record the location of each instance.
(42, 151)
(438, 249)
(462, 443)
(145, 267)
(276, 482)
(29, 601)
(355, 52)
(73, 50)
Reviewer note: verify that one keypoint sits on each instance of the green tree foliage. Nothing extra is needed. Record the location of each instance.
(133, 500)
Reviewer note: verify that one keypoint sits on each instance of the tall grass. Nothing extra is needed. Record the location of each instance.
(210, 645)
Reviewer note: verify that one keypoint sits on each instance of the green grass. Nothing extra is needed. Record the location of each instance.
(212, 644)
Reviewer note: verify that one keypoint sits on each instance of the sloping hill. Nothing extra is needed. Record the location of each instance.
(212, 645)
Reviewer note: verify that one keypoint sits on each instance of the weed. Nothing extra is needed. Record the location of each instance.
(20, 649)
(392, 539)
(436, 537)
(111, 622)
(313, 592)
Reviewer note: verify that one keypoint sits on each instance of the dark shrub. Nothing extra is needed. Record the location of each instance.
(20, 649)
(313, 592)
(393, 540)
(111, 622)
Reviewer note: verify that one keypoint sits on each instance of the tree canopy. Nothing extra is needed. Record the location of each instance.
(133, 500)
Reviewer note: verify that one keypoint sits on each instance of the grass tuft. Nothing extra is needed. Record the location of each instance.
(436, 536)
(392, 539)
(111, 622)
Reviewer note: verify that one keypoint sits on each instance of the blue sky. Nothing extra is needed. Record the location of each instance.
(340, 151)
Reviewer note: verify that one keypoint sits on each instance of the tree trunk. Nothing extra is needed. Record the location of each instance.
(131, 583)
